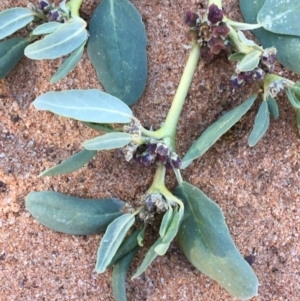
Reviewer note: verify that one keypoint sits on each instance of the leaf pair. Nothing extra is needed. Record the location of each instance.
(287, 44)
(205, 240)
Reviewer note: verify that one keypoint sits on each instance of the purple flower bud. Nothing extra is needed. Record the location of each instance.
(147, 159)
(216, 45)
(206, 54)
(162, 149)
(150, 204)
(151, 147)
(43, 4)
(220, 30)
(191, 19)
(162, 159)
(236, 82)
(53, 15)
(215, 14)
(258, 74)
(168, 165)
(175, 160)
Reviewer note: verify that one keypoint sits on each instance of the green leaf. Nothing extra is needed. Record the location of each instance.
(62, 41)
(112, 240)
(205, 240)
(280, 16)
(273, 107)
(13, 19)
(150, 256)
(127, 246)
(11, 52)
(236, 57)
(140, 237)
(85, 105)
(288, 47)
(108, 141)
(244, 40)
(70, 165)
(47, 28)
(119, 275)
(69, 64)
(296, 89)
(295, 102)
(165, 223)
(72, 215)
(249, 62)
(117, 49)
(163, 247)
(106, 128)
(215, 131)
(261, 124)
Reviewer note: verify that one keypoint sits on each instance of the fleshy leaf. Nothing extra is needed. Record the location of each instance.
(70, 165)
(261, 124)
(280, 16)
(112, 240)
(288, 47)
(47, 28)
(72, 215)
(13, 19)
(236, 57)
(163, 247)
(85, 105)
(11, 52)
(245, 41)
(127, 246)
(119, 275)
(273, 107)
(298, 119)
(165, 223)
(61, 42)
(69, 64)
(295, 102)
(205, 240)
(108, 141)
(149, 257)
(249, 62)
(117, 49)
(215, 131)
(141, 235)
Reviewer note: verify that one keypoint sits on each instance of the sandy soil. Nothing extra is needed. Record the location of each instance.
(257, 188)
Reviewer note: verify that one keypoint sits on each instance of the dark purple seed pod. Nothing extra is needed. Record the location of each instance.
(216, 45)
(175, 160)
(215, 14)
(191, 19)
(220, 30)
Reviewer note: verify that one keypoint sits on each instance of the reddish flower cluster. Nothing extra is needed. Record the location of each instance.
(248, 77)
(211, 34)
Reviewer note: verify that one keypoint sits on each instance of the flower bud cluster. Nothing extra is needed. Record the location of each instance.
(242, 78)
(153, 203)
(211, 34)
(152, 151)
(52, 12)
(277, 86)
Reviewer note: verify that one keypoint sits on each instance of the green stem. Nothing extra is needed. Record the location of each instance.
(169, 127)
(236, 43)
(74, 6)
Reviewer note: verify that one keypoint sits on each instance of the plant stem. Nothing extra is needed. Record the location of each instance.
(169, 127)
(74, 6)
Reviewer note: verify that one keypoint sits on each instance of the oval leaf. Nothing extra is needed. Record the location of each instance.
(280, 16)
(165, 223)
(215, 131)
(295, 102)
(13, 19)
(273, 107)
(249, 62)
(62, 41)
(150, 256)
(85, 105)
(205, 240)
(119, 275)
(117, 49)
(11, 52)
(108, 141)
(72, 215)
(288, 47)
(69, 165)
(127, 246)
(261, 124)
(112, 240)
(69, 64)
(47, 28)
